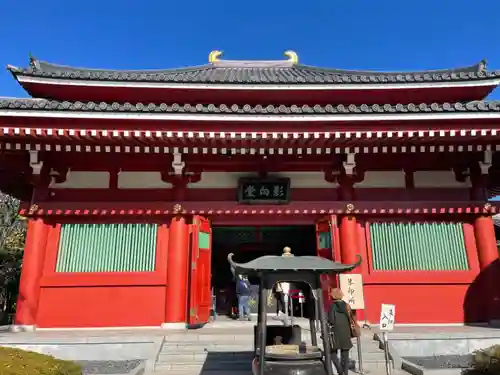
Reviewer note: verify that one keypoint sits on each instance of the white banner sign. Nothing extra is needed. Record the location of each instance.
(351, 285)
(387, 317)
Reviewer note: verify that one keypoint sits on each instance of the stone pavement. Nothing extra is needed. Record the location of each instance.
(226, 348)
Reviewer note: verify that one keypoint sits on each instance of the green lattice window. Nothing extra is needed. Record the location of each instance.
(107, 248)
(429, 246)
(325, 240)
(204, 240)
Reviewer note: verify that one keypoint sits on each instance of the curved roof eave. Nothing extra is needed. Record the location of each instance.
(254, 73)
(280, 264)
(30, 106)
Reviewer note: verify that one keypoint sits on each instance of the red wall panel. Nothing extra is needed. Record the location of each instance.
(78, 307)
(417, 303)
(419, 296)
(106, 299)
(128, 299)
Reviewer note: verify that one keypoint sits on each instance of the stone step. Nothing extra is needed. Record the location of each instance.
(232, 354)
(208, 366)
(232, 351)
(371, 368)
(375, 371)
(235, 335)
(231, 347)
(202, 372)
(230, 372)
(211, 338)
(246, 339)
(191, 356)
(208, 347)
(236, 366)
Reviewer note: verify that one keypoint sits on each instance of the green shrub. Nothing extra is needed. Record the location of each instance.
(21, 362)
(487, 359)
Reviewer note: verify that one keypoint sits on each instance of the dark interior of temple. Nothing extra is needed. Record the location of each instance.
(248, 243)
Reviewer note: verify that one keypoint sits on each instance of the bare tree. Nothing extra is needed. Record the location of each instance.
(12, 237)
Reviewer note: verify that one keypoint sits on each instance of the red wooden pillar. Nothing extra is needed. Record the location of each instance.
(348, 239)
(31, 273)
(349, 242)
(177, 274)
(487, 254)
(485, 240)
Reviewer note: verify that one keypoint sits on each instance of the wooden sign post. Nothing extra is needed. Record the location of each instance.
(351, 285)
(387, 320)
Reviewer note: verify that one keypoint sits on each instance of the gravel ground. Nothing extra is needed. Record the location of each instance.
(108, 367)
(442, 361)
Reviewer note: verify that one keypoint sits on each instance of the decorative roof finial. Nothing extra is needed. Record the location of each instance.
(482, 65)
(292, 57)
(214, 56)
(177, 209)
(34, 62)
(287, 252)
(33, 209)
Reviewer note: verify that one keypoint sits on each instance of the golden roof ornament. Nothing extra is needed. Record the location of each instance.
(33, 209)
(287, 252)
(292, 57)
(214, 56)
(177, 209)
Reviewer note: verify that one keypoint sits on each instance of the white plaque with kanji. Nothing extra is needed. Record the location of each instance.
(351, 285)
(387, 317)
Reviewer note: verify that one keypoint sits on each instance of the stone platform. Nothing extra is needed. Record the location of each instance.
(124, 352)
(438, 350)
(226, 346)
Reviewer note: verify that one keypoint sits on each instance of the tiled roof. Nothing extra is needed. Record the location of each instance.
(53, 105)
(255, 72)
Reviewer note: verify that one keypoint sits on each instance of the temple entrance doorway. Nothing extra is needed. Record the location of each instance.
(250, 242)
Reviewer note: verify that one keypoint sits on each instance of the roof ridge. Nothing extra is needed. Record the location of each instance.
(17, 98)
(38, 65)
(475, 68)
(249, 64)
(42, 67)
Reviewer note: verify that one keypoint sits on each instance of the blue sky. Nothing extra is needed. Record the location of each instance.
(355, 34)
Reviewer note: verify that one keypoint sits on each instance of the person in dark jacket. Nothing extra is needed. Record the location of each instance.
(243, 291)
(339, 320)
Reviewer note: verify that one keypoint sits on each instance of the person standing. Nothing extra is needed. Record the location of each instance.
(279, 298)
(342, 329)
(282, 288)
(286, 286)
(243, 292)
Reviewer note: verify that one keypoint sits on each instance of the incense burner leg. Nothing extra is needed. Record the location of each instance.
(324, 333)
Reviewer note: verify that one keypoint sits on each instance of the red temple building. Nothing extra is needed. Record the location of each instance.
(136, 185)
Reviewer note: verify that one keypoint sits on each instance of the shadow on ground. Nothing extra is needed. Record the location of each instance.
(482, 300)
(228, 361)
